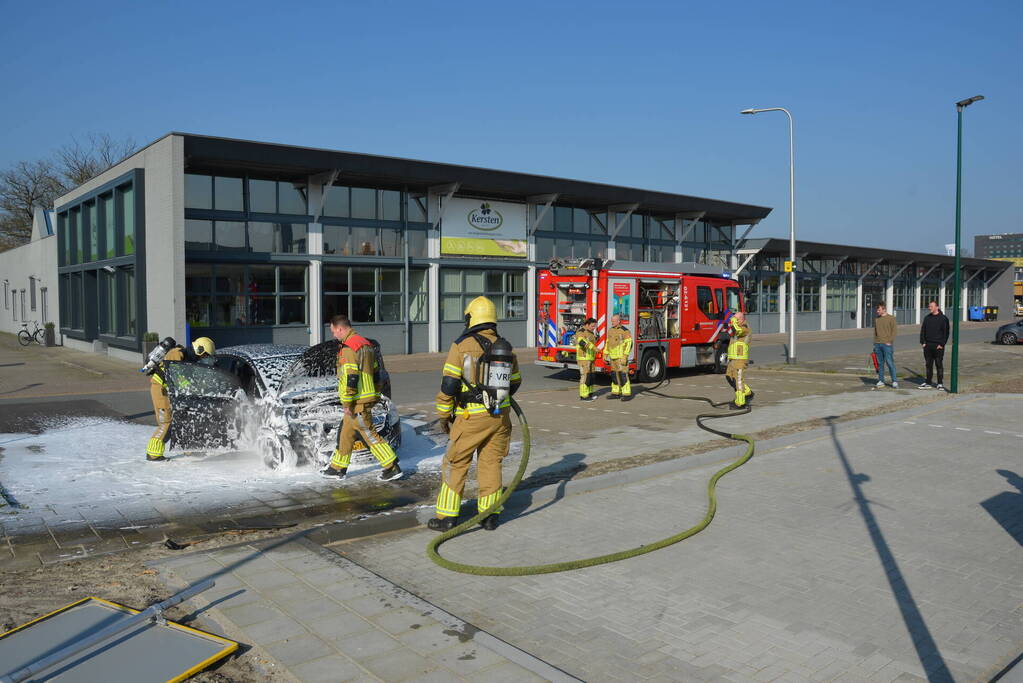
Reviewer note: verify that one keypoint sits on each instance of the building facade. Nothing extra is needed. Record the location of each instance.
(250, 242)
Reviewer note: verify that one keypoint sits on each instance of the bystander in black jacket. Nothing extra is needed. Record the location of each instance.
(934, 329)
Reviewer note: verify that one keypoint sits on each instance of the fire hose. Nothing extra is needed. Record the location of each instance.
(432, 548)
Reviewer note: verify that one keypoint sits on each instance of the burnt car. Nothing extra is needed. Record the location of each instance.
(278, 398)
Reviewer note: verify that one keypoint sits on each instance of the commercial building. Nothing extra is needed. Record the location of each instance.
(250, 242)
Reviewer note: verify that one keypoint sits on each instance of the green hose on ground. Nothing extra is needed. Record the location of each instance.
(433, 554)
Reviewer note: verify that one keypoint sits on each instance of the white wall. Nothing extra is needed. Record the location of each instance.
(36, 259)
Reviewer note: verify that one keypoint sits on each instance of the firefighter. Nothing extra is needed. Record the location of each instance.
(358, 388)
(201, 348)
(738, 359)
(585, 354)
(472, 428)
(617, 351)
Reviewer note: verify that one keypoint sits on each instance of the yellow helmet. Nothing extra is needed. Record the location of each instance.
(203, 346)
(480, 310)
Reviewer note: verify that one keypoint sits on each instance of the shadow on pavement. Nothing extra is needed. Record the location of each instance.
(926, 649)
(1007, 507)
(561, 472)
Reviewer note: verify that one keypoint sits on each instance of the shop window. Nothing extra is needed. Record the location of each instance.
(370, 295)
(229, 295)
(109, 226)
(364, 203)
(390, 205)
(336, 201)
(198, 235)
(228, 194)
(415, 207)
(229, 235)
(262, 196)
(292, 198)
(504, 288)
(417, 244)
(126, 196)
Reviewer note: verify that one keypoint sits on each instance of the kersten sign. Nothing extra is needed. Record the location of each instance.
(476, 227)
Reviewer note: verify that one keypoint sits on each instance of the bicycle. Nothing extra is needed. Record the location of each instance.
(26, 337)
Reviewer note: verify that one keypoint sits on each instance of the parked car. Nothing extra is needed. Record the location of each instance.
(280, 398)
(1010, 333)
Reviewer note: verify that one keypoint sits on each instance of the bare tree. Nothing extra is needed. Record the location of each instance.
(28, 184)
(78, 163)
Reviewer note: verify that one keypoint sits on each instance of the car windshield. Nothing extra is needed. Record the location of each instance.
(312, 373)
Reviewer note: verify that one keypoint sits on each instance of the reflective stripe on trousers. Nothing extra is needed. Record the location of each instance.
(361, 423)
(162, 410)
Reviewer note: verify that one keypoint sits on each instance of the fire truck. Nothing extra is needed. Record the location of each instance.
(676, 313)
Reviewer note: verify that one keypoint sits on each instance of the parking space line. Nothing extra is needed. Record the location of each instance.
(963, 429)
(987, 431)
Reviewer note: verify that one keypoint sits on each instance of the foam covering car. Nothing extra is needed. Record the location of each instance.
(279, 398)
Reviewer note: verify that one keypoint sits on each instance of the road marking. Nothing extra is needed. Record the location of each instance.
(625, 413)
(939, 426)
(963, 429)
(564, 433)
(908, 422)
(608, 411)
(987, 431)
(643, 415)
(544, 430)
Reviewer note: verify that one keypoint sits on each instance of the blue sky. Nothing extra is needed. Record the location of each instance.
(641, 94)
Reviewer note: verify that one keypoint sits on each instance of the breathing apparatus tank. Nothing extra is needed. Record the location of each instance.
(157, 355)
(493, 369)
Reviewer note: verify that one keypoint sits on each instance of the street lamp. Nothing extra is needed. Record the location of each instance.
(957, 294)
(792, 229)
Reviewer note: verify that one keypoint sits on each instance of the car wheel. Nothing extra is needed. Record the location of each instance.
(651, 368)
(1009, 338)
(277, 455)
(721, 359)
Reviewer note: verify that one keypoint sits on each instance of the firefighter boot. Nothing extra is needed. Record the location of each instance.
(489, 522)
(442, 523)
(391, 473)
(740, 400)
(332, 472)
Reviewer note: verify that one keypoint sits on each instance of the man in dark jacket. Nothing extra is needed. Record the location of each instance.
(933, 338)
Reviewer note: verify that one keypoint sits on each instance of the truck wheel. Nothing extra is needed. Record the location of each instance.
(720, 359)
(652, 367)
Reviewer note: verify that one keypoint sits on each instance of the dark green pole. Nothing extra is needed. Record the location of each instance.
(957, 294)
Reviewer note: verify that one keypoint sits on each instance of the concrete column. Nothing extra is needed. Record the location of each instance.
(531, 292)
(983, 295)
(859, 303)
(824, 302)
(433, 275)
(964, 304)
(314, 306)
(918, 293)
(782, 302)
(941, 294)
(889, 296)
(611, 251)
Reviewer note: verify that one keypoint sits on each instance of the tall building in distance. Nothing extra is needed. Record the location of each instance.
(1004, 247)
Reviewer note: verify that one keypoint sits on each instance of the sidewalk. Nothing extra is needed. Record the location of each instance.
(325, 619)
(883, 549)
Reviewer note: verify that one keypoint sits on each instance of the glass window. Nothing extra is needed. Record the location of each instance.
(451, 280)
(262, 310)
(364, 241)
(390, 308)
(335, 278)
(292, 198)
(293, 310)
(228, 194)
(637, 226)
(515, 307)
(544, 249)
(516, 281)
(364, 202)
(262, 196)
(562, 218)
(474, 281)
(415, 211)
(261, 237)
(197, 309)
(733, 299)
(198, 235)
(495, 281)
(198, 278)
(580, 221)
(128, 216)
(291, 238)
(547, 220)
(198, 191)
(719, 299)
(390, 205)
(292, 278)
(109, 226)
(451, 308)
(418, 305)
(131, 309)
(334, 304)
(363, 308)
(336, 201)
(229, 278)
(108, 321)
(335, 240)
(417, 246)
(705, 301)
(391, 243)
(229, 236)
(89, 251)
(363, 280)
(261, 280)
(390, 280)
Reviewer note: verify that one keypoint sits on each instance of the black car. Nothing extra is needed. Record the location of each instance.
(1010, 333)
(281, 399)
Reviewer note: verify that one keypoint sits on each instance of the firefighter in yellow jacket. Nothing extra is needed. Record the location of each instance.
(472, 428)
(357, 387)
(585, 354)
(617, 352)
(738, 360)
(201, 348)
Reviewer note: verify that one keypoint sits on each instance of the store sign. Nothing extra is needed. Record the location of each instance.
(474, 227)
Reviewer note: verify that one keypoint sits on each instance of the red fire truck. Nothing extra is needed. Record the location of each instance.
(676, 313)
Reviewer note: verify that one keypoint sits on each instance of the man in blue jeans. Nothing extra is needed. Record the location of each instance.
(885, 330)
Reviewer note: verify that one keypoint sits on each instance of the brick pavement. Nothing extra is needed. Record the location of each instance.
(323, 619)
(889, 550)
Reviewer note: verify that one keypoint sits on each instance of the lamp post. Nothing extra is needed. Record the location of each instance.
(957, 294)
(792, 229)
